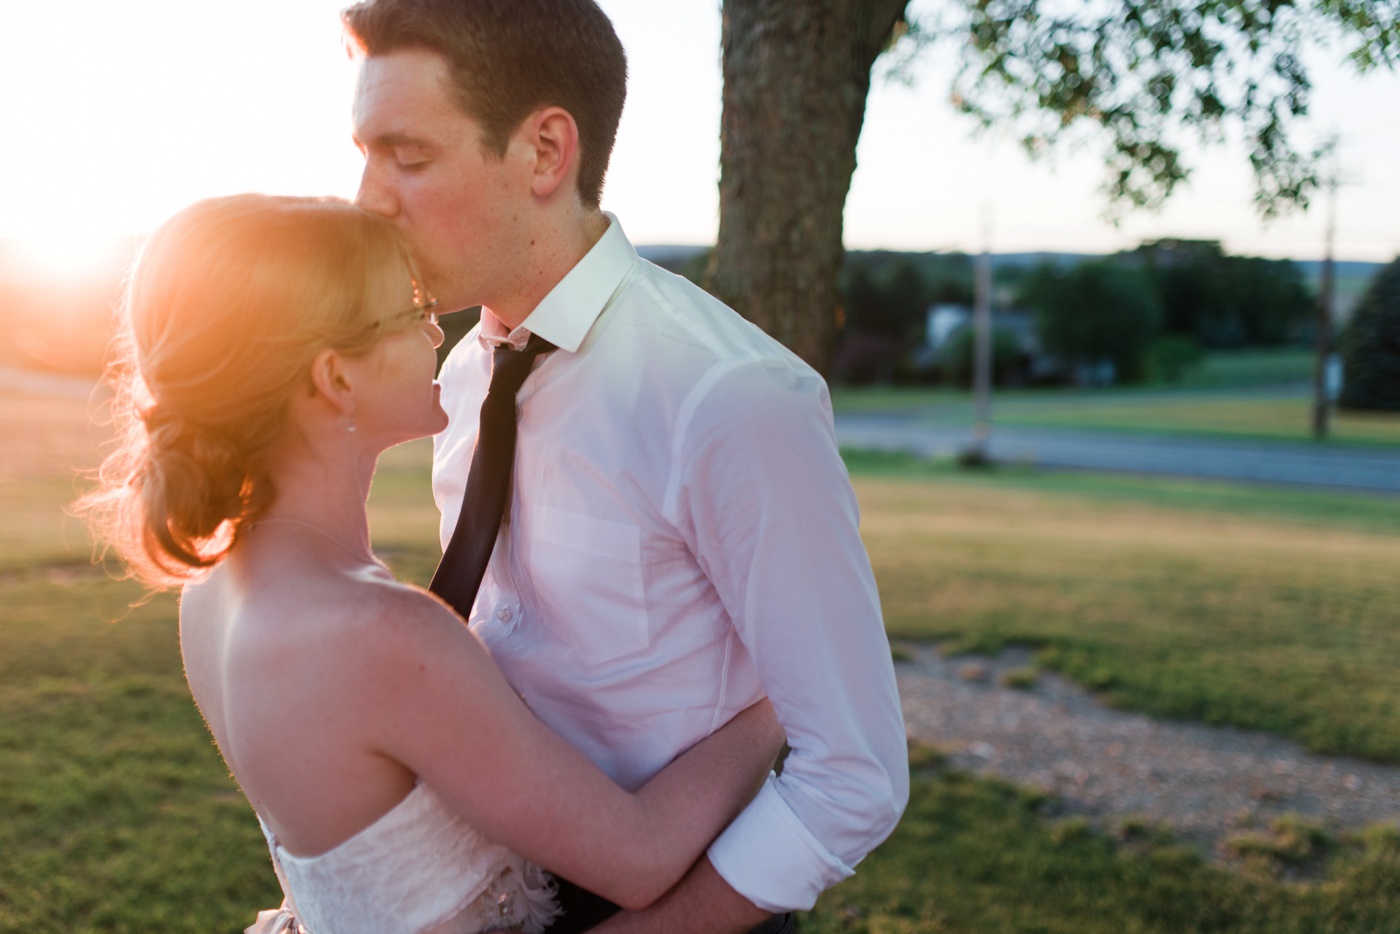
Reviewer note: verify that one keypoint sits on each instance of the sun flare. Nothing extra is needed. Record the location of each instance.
(65, 255)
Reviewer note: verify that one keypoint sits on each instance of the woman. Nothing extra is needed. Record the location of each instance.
(276, 347)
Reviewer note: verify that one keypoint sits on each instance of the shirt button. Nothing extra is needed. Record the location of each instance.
(504, 614)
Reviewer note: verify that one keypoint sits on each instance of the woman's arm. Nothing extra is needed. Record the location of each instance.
(435, 702)
(701, 903)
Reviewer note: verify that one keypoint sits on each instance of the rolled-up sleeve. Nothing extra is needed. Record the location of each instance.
(768, 506)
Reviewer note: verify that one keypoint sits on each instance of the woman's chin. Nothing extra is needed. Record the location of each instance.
(439, 413)
(441, 421)
(433, 421)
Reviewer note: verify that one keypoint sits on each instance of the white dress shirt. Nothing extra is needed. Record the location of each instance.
(682, 539)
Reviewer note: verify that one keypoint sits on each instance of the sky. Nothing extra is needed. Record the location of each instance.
(115, 115)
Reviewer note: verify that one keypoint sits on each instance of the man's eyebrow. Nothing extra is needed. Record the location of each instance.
(393, 140)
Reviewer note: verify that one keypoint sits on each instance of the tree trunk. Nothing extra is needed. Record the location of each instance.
(796, 75)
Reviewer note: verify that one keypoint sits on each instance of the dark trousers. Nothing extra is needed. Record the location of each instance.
(583, 910)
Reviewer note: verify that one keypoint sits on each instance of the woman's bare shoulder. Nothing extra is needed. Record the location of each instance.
(390, 604)
(320, 611)
(389, 619)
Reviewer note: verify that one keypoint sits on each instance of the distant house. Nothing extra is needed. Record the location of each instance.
(943, 321)
(1031, 364)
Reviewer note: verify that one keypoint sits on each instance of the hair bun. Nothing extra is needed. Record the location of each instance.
(194, 475)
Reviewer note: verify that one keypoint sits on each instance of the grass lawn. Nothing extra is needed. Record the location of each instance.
(116, 813)
(1252, 369)
(1264, 417)
(981, 857)
(1268, 609)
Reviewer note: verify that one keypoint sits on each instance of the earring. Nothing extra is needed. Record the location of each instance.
(351, 426)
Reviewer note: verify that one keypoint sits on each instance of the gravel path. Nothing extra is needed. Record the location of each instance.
(1204, 782)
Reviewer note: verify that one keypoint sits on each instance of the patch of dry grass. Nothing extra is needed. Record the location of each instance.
(1271, 418)
(45, 444)
(1261, 622)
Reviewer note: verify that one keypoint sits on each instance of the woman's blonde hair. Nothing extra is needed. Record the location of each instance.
(224, 310)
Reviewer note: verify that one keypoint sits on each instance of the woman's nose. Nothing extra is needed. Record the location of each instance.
(434, 332)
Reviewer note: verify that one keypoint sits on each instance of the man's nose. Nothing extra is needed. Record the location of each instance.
(374, 197)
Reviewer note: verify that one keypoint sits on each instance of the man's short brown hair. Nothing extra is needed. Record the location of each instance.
(509, 58)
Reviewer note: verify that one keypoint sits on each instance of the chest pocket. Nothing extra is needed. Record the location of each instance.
(587, 574)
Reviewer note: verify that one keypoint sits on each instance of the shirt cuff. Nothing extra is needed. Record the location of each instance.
(768, 856)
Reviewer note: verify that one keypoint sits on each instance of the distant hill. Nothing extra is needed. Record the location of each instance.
(1344, 269)
(1352, 280)
(1035, 259)
(1352, 277)
(668, 254)
(674, 252)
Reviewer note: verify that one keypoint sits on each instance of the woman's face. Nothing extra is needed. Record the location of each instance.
(397, 398)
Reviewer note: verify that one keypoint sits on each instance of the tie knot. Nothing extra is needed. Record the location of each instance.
(509, 367)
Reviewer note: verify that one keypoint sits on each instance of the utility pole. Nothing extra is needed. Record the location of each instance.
(1322, 404)
(982, 351)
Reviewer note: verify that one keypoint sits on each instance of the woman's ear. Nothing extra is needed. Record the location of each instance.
(331, 380)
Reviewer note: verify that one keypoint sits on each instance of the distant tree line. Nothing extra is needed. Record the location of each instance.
(1370, 346)
(882, 318)
(1226, 302)
(1149, 312)
(1097, 313)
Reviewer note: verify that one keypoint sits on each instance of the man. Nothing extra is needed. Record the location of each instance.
(681, 535)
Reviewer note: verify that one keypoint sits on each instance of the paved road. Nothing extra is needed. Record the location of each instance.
(1372, 469)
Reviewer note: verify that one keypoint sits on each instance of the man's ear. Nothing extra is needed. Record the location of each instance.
(330, 379)
(551, 136)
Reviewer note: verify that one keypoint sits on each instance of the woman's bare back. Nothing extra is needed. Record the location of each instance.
(276, 657)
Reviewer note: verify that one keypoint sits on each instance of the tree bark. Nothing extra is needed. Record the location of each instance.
(796, 75)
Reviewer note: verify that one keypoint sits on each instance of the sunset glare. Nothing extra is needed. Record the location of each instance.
(118, 115)
(53, 252)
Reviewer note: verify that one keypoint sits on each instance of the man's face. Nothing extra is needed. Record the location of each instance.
(427, 169)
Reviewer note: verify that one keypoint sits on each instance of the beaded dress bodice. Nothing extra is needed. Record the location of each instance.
(419, 869)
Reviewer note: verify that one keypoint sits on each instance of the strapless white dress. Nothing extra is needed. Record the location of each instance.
(419, 869)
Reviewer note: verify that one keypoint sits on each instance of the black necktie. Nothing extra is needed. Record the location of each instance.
(463, 564)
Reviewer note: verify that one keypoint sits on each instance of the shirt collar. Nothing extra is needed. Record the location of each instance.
(566, 314)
